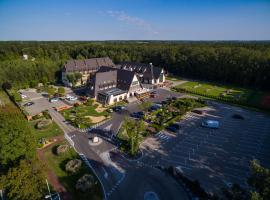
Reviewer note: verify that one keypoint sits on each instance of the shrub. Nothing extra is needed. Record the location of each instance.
(43, 123)
(85, 183)
(61, 91)
(73, 166)
(61, 149)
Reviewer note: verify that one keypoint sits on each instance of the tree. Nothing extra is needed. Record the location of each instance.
(17, 139)
(145, 105)
(260, 180)
(78, 76)
(133, 130)
(6, 86)
(51, 91)
(71, 78)
(61, 91)
(24, 182)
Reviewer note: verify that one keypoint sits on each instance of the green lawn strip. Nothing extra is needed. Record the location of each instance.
(4, 98)
(243, 96)
(173, 78)
(47, 132)
(57, 164)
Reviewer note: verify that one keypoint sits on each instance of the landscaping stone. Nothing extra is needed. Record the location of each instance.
(43, 123)
(73, 165)
(85, 183)
(61, 149)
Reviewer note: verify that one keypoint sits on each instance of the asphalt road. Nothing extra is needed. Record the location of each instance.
(119, 175)
(121, 178)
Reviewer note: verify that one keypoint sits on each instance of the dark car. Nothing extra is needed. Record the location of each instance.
(138, 115)
(173, 127)
(199, 112)
(154, 107)
(118, 108)
(164, 102)
(237, 116)
(28, 104)
(174, 98)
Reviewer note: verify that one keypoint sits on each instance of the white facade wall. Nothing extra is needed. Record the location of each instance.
(118, 98)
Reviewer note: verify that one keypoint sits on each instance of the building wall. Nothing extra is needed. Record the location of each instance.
(118, 98)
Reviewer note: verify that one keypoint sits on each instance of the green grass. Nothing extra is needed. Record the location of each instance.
(4, 98)
(173, 78)
(57, 164)
(82, 111)
(47, 132)
(241, 95)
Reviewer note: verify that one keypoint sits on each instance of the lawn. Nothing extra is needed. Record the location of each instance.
(242, 96)
(57, 164)
(4, 99)
(47, 132)
(85, 115)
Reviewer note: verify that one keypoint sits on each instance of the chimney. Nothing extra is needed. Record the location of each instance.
(152, 71)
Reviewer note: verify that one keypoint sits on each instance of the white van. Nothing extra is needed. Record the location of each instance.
(210, 124)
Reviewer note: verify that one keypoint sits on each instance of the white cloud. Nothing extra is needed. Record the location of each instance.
(132, 20)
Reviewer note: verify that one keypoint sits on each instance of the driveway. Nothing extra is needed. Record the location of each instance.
(41, 102)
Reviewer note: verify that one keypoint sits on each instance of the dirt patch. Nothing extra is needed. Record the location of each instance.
(96, 119)
(52, 178)
(99, 108)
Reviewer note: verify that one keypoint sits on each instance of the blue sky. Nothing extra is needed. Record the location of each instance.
(134, 19)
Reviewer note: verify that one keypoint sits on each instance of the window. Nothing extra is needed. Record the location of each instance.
(135, 83)
(115, 100)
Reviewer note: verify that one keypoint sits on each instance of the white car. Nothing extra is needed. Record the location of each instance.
(210, 124)
(54, 100)
(71, 98)
(23, 96)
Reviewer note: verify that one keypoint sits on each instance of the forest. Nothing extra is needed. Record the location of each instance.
(245, 64)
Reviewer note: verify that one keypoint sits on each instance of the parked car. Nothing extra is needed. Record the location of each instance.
(138, 115)
(84, 98)
(154, 107)
(52, 100)
(71, 98)
(200, 112)
(28, 104)
(153, 95)
(164, 102)
(237, 116)
(23, 96)
(118, 108)
(174, 98)
(174, 127)
(210, 124)
(110, 110)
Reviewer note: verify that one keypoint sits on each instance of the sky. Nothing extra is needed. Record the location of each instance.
(134, 19)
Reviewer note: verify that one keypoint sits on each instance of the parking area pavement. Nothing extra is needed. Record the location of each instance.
(215, 157)
(40, 100)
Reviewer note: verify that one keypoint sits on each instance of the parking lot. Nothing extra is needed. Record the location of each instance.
(215, 157)
(41, 102)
